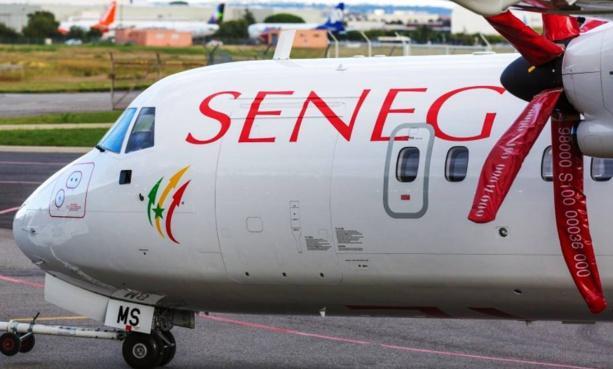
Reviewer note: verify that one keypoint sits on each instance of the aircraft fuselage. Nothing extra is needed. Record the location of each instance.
(295, 186)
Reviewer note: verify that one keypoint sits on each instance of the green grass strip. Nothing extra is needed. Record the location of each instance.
(53, 137)
(88, 117)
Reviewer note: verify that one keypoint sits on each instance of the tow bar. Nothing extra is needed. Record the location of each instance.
(19, 337)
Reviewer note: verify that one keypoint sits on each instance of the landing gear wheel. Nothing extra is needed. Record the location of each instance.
(168, 353)
(27, 344)
(142, 351)
(9, 344)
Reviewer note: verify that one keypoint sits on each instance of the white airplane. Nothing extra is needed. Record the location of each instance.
(334, 23)
(108, 22)
(107, 19)
(341, 187)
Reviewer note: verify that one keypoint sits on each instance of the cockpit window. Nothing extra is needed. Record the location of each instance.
(113, 139)
(143, 133)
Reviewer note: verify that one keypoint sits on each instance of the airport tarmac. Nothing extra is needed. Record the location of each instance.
(33, 104)
(282, 342)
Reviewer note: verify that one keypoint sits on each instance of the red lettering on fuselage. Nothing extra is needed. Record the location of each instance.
(345, 129)
(254, 111)
(433, 115)
(386, 109)
(223, 119)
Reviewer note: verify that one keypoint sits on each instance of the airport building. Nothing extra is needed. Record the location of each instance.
(15, 16)
(153, 37)
(400, 20)
(465, 21)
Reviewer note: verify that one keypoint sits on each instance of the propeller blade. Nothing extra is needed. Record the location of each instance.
(560, 27)
(535, 48)
(506, 158)
(592, 23)
(571, 211)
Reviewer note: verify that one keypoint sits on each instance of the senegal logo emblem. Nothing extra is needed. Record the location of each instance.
(161, 210)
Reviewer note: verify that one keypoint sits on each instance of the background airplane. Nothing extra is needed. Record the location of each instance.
(334, 23)
(103, 24)
(109, 22)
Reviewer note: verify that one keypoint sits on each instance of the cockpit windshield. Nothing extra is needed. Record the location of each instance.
(143, 132)
(113, 139)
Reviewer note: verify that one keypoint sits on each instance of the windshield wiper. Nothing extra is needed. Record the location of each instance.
(102, 149)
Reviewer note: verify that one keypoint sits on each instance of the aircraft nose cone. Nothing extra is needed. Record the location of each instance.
(31, 226)
(49, 227)
(22, 233)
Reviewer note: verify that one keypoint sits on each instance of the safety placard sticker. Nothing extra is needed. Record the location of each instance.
(69, 196)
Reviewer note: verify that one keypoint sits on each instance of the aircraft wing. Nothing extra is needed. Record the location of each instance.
(576, 7)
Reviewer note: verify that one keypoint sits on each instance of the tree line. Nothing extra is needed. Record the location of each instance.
(42, 25)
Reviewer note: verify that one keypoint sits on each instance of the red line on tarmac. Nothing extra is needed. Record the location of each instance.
(5, 162)
(280, 330)
(21, 282)
(270, 328)
(8, 211)
(482, 357)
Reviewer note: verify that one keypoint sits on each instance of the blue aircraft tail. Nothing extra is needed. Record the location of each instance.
(217, 16)
(336, 19)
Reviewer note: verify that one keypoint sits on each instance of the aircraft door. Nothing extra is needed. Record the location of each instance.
(407, 171)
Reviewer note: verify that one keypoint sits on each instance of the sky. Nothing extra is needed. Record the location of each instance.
(437, 3)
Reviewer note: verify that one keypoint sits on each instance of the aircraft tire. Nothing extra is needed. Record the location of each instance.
(9, 344)
(169, 351)
(142, 351)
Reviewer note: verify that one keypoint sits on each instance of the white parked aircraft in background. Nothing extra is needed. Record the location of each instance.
(109, 22)
(107, 19)
(334, 23)
(341, 187)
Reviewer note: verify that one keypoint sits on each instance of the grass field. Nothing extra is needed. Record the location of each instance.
(86, 117)
(52, 137)
(61, 68)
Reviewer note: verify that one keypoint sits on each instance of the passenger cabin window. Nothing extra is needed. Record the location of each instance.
(113, 139)
(407, 165)
(143, 132)
(456, 164)
(602, 169)
(547, 165)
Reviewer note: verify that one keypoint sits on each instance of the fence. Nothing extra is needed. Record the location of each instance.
(129, 72)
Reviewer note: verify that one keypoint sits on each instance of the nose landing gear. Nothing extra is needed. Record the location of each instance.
(140, 350)
(147, 351)
(170, 348)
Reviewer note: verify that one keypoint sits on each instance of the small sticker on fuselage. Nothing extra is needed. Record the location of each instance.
(348, 239)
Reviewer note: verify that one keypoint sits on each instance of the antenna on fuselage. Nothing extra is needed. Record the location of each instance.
(285, 43)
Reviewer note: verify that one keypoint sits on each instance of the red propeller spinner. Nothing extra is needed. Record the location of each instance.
(537, 77)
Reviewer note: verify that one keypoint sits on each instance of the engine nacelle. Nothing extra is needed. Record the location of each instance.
(595, 138)
(588, 82)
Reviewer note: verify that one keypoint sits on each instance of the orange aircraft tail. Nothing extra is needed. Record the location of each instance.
(108, 17)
